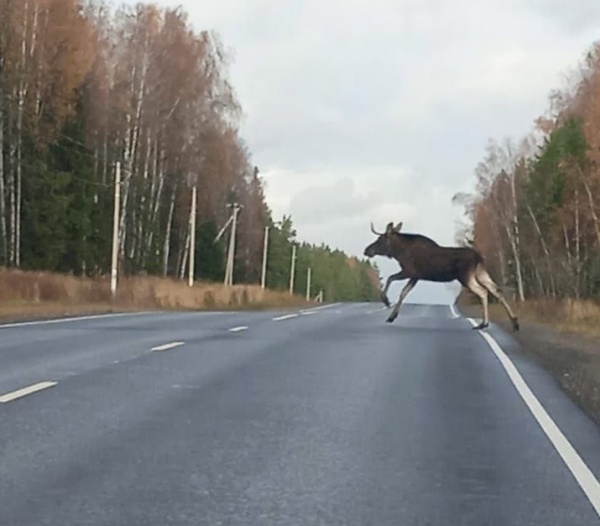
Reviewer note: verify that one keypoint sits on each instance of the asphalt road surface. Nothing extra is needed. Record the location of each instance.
(326, 416)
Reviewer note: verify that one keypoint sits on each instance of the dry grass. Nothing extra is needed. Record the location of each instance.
(25, 294)
(569, 315)
(580, 316)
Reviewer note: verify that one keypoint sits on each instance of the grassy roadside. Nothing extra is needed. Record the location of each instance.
(27, 295)
(577, 317)
(561, 336)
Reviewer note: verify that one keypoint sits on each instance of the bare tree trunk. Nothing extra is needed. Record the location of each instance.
(517, 258)
(501, 256)
(34, 41)
(577, 248)
(569, 258)
(590, 196)
(143, 206)
(132, 224)
(184, 256)
(22, 93)
(514, 236)
(3, 241)
(592, 210)
(538, 276)
(155, 197)
(493, 226)
(34, 28)
(133, 134)
(544, 248)
(12, 194)
(105, 158)
(19, 179)
(167, 244)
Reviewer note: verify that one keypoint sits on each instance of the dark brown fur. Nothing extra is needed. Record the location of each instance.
(421, 258)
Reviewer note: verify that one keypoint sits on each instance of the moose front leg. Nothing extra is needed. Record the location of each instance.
(394, 277)
(407, 288)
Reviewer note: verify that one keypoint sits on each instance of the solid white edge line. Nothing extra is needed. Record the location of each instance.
(238, 329)
(99, 316)
(286, 317)
(71, 319)
(321, 307)
(167, 346)
(583, 475)
(14, 395)
(453, 311)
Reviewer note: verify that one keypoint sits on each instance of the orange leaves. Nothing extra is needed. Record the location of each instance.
(538, 204)
(48, 52)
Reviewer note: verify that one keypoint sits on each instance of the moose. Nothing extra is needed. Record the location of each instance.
(421, 258)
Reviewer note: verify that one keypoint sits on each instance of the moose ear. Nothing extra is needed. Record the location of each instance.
(389, 228)
(398, 227)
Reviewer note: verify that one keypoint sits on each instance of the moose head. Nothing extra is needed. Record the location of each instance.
(381, 246)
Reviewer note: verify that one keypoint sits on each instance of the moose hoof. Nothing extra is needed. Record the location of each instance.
(515, 324)
(392, 317)
(482, 325)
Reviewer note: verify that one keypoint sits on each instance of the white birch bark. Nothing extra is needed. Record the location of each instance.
(3, 232)
(544, 249)
(167, 243)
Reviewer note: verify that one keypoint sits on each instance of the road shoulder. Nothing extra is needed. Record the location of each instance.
(572, 359)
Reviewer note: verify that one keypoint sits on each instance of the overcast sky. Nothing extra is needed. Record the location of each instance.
(379, 110)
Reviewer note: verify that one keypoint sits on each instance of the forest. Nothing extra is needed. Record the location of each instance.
(535, 214)
(85, 87)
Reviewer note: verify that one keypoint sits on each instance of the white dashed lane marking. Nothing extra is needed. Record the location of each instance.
(286, 317)
(14, 395)
(167, 346)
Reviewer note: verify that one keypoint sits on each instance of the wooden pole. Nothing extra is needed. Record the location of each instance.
(192, 258)
(115, 240)
(263, 280)
(293, 269)
(231, 252)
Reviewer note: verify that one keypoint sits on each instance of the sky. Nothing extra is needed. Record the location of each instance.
(379, 110)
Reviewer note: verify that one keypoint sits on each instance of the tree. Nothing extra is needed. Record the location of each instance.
(536, 213)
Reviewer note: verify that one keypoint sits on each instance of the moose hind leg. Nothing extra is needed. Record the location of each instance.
(407, 288)
(486, 281)
(476, 288)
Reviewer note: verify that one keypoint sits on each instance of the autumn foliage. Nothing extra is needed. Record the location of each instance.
(85, 87)
(535, 214)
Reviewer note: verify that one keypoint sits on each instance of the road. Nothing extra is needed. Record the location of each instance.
(326, 416)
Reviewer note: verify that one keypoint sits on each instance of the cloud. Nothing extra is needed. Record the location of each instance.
(379, 110)
(573, 18)
(342, 206)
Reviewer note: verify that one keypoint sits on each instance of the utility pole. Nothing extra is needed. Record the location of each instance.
(293, 269)
(231, 252)
(192, 239)
(309, 272)
(263, 280)
(115, 240)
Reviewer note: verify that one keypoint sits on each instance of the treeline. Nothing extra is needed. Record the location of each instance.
(84, 87)
(536, 212)
(341, 278)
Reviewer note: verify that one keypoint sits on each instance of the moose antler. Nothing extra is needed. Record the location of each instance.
(374, 231)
